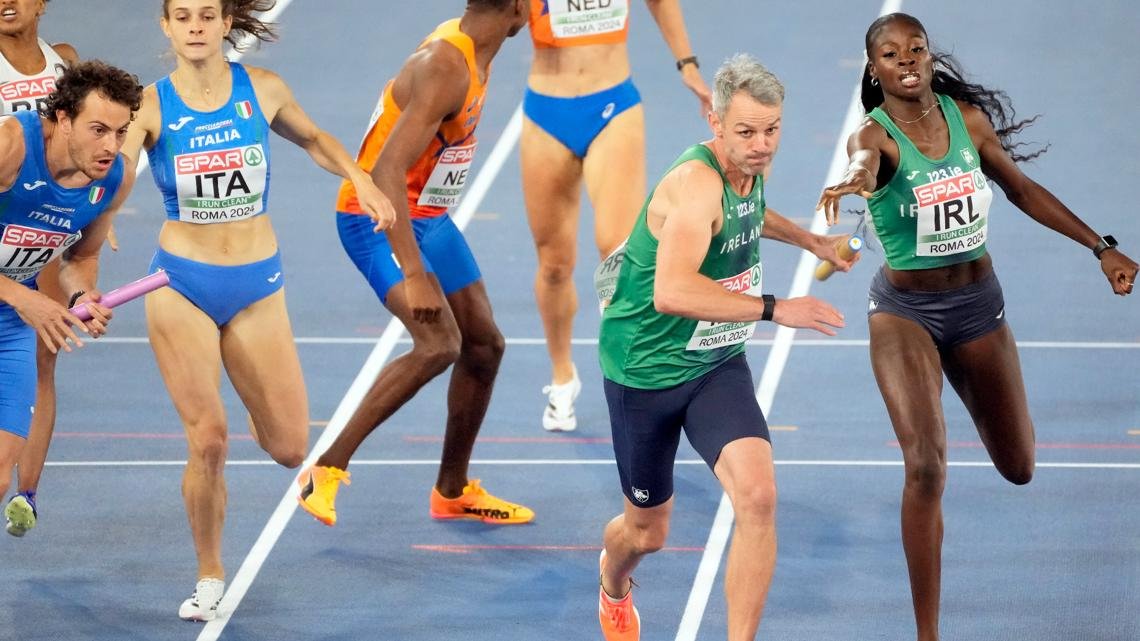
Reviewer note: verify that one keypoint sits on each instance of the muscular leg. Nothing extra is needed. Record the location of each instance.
(908, 370)
(552, 183)
(260, 357)
(435, 347)
(10, 448)
(185, 344)
(31, 464)
(614, 169)
(986, 373)
(628, 538)
(32, 460)
(481, 351)
(746, 471)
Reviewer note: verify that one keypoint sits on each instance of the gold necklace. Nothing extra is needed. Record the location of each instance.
(911, 122)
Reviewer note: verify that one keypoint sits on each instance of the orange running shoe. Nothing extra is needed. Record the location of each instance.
(620, 621)
(319, 486)
(477, 504)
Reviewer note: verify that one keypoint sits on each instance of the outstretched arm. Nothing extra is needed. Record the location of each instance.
(289, 120)
(671, 22)
(1039, 203)
(864, 153)
(777, 227)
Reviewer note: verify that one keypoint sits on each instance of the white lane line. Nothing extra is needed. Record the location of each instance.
(526, 341)
(285, 508)
(596, 461)
(769, 381)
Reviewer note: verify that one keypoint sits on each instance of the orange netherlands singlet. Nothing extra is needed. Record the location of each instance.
(436, 180)
(573, 23)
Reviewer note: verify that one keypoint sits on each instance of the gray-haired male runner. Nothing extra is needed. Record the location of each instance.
(687, 298)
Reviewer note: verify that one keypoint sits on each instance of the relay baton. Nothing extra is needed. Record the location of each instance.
(847, 251)
(127, 292)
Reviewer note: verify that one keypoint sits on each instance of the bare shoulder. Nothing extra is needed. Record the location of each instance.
(146, 125)
(694, 177)
(67, 52)
(440, 57)
(148, 116)
(869, 133)
(272, 93)
(976, 120)
(11, 136)
(11, 150)
(264, 80)
(435, 75)
(692, 187)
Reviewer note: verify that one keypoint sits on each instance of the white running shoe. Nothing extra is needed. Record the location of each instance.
(559, 413)
(203, 604)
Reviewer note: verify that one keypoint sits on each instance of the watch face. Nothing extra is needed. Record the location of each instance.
(1105, 242)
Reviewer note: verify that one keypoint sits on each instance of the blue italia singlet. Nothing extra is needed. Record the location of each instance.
(212, 167)
(39, 218)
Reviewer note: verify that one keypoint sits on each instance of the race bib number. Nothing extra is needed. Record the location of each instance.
(577, 18)
(24, 251)
(606, 276)
(711, 335)
(27, 94)
(445, 184)
(220, 186)
(952, 214)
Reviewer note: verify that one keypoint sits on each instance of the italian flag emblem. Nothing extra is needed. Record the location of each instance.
(95, 195)
(244, 108)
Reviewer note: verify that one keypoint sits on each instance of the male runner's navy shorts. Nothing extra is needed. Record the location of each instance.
(17, 372)
(576, 122)
(221, 291)
(714, 410)
(443, 251)
(951, 317)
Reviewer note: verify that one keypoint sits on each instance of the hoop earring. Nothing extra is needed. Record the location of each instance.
(874, 82)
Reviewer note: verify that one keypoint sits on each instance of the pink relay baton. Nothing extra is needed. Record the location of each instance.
(130, 291)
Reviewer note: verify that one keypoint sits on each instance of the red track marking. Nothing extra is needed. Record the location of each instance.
(1045, 446)
(141, 435)
(468, 549)
(518, 439)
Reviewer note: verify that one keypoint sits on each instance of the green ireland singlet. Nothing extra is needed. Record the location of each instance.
(643, 348)
(932, 213)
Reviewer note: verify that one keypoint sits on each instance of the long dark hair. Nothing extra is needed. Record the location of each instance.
(243, 20)
(949, 79)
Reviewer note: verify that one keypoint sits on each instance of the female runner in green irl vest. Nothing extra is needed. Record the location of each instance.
(928, 151)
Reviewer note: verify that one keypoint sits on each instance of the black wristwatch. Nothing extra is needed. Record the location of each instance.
(1105, 242)
(75, 297)
(769, 307)
(690, 60)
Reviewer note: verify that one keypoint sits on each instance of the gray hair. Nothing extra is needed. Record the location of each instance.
(743, 72)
